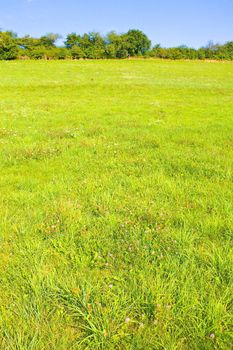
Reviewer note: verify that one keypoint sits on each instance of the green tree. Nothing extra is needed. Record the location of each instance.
(8, 46)
(72, 39)
(116, 45)
(227, 50)
(77, 52)
(49, 40)
(61, 53)
(28, 43)
(138, 42)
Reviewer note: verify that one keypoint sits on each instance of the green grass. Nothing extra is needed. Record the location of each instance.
(116, 205)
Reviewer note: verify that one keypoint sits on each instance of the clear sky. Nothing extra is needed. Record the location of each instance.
(168, 22)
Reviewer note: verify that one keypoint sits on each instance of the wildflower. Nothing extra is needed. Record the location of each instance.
(127, 320)
(212, 335)
(168, 306)
(155, 322)
(110, 286)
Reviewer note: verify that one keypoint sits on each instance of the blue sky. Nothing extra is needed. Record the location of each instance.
(169, 22)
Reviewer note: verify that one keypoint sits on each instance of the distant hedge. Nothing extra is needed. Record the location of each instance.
(134, 43)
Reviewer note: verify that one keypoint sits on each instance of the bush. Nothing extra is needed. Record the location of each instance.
(77, 53)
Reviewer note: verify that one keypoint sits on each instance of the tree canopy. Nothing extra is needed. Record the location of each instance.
(93, 45)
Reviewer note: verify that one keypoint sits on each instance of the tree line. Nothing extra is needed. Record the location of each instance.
(92, 45)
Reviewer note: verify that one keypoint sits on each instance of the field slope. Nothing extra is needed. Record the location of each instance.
(116, 205)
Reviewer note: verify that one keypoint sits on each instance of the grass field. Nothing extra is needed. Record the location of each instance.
(116, 205)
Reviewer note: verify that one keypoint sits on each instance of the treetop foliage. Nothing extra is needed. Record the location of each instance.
(93, 45)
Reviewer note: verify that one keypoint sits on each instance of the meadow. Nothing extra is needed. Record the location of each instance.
(116, 205)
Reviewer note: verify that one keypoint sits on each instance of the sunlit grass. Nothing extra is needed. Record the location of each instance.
(116, 205)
